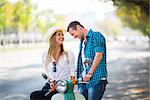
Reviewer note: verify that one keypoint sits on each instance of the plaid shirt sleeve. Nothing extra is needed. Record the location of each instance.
(79, 61)
(99, 42)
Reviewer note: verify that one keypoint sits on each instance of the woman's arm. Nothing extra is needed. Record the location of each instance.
(45, 69)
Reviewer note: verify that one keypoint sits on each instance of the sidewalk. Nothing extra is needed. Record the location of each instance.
(128, 73)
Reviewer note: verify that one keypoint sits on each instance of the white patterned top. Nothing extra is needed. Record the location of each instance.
(64, 68)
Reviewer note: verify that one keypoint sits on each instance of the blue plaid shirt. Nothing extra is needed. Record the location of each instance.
(95, 43)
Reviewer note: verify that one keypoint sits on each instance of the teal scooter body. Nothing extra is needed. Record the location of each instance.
(69, 94)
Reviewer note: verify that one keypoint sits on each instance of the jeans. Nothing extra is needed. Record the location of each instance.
(96, 92)
(40, 95)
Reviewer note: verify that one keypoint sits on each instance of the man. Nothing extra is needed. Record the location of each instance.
(95, 49)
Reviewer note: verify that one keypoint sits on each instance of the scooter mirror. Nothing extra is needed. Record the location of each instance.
(44, 76)
(88, 61)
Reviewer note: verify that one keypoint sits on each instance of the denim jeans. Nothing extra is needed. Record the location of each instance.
(40, 94)
(96, 92)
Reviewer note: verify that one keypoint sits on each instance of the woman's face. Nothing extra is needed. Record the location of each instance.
(59, 37)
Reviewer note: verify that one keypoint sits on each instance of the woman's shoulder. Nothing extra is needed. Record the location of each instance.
(70, 53)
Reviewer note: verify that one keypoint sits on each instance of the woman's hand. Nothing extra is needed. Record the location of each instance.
(52, 86)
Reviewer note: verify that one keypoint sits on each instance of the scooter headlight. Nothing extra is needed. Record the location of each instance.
(61, 86)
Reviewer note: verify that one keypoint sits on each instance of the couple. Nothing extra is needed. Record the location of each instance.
(61, 63)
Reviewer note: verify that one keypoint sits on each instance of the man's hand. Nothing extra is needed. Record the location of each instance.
(87, 77)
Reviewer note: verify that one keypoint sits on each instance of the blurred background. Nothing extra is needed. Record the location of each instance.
(23, 38)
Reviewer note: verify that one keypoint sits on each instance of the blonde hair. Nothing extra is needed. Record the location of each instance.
(52, 49)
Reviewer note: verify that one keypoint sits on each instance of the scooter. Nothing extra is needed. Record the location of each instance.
(65, 88)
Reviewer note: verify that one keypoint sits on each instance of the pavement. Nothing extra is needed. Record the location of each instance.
(128, 71)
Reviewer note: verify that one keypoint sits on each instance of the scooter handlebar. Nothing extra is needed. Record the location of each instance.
(80, 80)
(46, 77)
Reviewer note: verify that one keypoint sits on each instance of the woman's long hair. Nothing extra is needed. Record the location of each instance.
(52, 49)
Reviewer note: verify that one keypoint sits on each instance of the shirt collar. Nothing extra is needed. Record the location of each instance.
(89, 33)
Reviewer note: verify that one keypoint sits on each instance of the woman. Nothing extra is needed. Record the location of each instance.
(59, 64)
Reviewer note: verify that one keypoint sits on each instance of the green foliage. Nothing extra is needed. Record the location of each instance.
(135, 14)
(47, 19)
(21, 17)
(41, 26)
(15, 17)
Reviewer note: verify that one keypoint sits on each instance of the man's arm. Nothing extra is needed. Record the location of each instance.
(97, 59)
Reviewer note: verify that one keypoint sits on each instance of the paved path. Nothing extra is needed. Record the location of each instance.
(128, 72)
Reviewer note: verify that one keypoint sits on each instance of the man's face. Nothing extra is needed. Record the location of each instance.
(75, 33)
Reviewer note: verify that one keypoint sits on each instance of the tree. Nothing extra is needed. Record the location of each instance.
(22, 15)
(6, 12)
(135, 14)
(27, 15)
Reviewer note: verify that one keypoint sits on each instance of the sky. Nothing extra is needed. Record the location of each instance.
(86, 11)
(76, 6)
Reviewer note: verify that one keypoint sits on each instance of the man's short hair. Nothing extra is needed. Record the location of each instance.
(73, 25)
